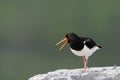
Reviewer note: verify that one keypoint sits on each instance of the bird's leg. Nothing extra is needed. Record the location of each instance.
(85, 63)
(84, 60)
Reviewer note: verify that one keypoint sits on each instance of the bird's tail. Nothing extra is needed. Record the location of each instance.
(99, 47)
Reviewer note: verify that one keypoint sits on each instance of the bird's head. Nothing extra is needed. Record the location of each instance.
(69, 38)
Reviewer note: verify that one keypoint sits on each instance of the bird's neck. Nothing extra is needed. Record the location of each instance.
(77, 45)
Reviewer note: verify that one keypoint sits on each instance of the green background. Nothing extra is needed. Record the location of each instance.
(29, 30)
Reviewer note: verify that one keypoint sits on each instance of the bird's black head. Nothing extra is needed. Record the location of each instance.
(72, 37)
(69, 38)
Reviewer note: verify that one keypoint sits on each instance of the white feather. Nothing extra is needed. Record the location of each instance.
(85, 51)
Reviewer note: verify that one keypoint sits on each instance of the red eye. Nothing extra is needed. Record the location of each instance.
(69, 35)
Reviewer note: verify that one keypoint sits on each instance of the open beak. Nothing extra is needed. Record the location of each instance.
(65, 40)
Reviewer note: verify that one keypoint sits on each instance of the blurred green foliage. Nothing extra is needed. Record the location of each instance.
(30, 29)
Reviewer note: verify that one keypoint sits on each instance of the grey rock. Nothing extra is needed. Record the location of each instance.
(96, 73)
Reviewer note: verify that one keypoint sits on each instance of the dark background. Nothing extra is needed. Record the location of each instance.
(29, 30)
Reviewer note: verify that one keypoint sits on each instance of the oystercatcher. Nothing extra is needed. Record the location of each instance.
(80, 46)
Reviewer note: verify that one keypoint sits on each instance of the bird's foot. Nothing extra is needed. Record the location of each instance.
(85, 69)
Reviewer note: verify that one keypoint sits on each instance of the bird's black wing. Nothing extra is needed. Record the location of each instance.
(89, 43)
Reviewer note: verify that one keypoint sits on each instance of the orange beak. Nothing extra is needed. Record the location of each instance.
(65, 40)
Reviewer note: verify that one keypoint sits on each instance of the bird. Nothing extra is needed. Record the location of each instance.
(80, 46)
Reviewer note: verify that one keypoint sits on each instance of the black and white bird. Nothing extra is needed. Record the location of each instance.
(80, 46)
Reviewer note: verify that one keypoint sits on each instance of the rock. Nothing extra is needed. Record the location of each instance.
(96, 73)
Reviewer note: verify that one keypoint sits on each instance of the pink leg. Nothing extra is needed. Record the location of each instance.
(85, 63)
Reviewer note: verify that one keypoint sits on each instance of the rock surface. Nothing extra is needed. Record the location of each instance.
(96, 73)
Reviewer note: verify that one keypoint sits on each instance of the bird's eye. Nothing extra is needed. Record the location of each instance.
(68, 35)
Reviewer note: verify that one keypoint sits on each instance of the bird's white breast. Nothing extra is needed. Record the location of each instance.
(85, 51)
